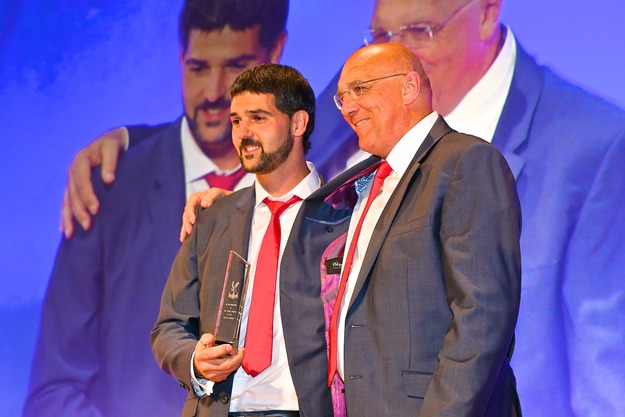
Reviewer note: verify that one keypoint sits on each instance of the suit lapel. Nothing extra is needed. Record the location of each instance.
(383, 226)
(240, 222)
(516, 117)
(339, 182)
(166, 198)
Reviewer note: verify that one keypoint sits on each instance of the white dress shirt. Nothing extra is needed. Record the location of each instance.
(273, 388)
(399, 159)
(197, 164)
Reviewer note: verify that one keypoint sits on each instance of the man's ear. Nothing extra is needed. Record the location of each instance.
(276, 52)
(299, 122)
(489, 23)
(411, 87)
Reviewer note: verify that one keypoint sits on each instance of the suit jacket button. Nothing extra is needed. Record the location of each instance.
(329, 229)
(223, 398)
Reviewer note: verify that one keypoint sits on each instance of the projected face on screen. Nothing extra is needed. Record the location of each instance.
(209, 65)
(458, 48)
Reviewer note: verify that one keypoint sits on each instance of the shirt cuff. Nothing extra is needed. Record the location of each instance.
(201, 386)
(126, 139)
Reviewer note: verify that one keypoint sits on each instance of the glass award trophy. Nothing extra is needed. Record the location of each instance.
(232, 300)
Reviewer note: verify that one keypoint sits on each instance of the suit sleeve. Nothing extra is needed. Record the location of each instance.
(139, 133)
(479, 234)
(67, 353)
(176, 331)
(593, 286)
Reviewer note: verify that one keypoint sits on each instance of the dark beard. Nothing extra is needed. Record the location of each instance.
(216, 148)
(268, 161)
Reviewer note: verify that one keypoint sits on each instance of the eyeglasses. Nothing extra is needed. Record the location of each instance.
(415, 35)
(357, 89)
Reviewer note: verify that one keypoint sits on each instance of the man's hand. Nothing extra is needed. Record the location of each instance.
(216, 363)
(79, 199)
(204, 199)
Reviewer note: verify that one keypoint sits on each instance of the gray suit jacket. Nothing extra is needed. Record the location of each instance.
(191, 299)
(433, 313)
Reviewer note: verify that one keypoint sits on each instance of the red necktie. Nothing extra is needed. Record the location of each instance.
(259, 338)
(384, 170)
(224, 181)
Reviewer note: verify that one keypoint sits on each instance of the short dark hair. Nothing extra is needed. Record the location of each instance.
(209, 15)
(291, 90)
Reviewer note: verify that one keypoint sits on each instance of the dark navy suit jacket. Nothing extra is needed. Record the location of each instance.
(566, 149)
(93, 354)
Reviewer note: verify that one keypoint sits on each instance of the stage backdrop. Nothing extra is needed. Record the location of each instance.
(70, 70)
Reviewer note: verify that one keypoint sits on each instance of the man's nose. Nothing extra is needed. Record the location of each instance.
(244, 130)
(348, 105)
(216, 86)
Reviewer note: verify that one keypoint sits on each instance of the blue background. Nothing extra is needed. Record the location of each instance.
(70, 70)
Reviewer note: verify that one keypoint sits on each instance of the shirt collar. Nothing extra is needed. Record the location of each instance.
(404, 151)
(478, 112)
(306, 187)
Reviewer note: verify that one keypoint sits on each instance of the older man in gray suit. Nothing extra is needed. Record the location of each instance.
(425, 314)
